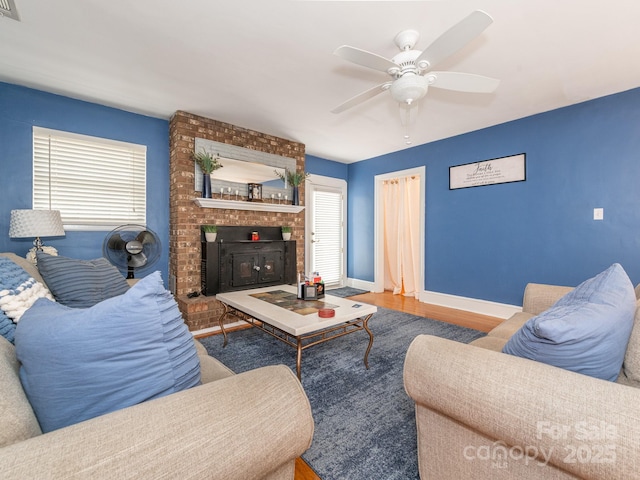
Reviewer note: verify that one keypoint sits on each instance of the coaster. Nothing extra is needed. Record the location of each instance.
(326, 312)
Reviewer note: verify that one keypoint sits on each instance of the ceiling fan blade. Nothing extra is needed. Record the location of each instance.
(360, 98)
(462, 82)
(455, 38)
(364, 58)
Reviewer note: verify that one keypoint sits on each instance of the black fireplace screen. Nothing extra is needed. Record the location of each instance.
(235, 262)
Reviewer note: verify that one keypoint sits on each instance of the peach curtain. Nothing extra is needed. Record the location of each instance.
(401, 199)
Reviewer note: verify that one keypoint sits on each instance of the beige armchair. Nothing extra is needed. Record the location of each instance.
(484, 414)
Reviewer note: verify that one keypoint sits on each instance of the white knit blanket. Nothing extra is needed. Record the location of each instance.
(18, 291)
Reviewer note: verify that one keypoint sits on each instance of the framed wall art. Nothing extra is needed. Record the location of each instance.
(489, 172)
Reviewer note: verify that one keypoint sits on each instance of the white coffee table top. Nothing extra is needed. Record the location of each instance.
(290, 321)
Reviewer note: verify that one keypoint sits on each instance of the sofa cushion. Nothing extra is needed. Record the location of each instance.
(630, 374)
(17, 420)
(510, 326)
(489, 342)
(81, 363)
(211, 369)
(80, 283)
(586, 331)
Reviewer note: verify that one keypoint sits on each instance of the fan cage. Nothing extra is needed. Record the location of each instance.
(123, 240)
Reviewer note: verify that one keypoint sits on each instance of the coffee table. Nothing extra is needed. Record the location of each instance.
(276, 311)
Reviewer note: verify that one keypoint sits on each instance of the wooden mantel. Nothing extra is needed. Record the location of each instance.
(242, 205)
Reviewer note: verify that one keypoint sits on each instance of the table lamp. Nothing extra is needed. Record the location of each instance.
(36, 223)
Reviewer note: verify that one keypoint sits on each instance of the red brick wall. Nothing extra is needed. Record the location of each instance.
(185, 217)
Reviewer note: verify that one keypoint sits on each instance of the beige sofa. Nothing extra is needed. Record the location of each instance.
(485, 414)
(247, 426)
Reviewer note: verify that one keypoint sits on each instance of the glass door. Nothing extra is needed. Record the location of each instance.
(326, 233)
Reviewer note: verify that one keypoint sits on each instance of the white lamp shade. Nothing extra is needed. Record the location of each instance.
(35, 223)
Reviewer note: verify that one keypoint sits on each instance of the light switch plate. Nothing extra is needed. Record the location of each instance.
(598, 213)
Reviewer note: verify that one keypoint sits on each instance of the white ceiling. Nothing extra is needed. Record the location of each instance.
(268, 65)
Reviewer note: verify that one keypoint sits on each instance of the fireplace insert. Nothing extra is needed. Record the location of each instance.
(236, 262)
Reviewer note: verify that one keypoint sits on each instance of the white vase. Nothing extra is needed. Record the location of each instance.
(286, 236)
(210, 236)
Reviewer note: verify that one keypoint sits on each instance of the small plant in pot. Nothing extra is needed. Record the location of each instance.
(208, 164)
(210, 232)
(286, 233)
(293, 178)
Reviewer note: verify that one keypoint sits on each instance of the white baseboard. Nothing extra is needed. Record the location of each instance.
(483, 307)
(360, 284)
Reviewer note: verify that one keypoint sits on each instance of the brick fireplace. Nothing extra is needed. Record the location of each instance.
(185, 217)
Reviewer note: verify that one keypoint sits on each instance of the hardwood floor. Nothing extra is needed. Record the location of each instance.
(410, 305)
(304, 471)
(484, 323)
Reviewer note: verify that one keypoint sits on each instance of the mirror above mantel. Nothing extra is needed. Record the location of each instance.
(241, 166)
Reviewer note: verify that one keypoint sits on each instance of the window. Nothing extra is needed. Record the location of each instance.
(95, 183)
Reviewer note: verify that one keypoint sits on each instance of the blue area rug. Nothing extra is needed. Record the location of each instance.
(364, 421)
(345, 291)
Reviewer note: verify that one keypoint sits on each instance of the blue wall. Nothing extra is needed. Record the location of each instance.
(327, 168)
(488, 242)
(22, 108)
(483, 242)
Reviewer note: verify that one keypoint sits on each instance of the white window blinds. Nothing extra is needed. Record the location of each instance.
(327, 234)
(94, 182)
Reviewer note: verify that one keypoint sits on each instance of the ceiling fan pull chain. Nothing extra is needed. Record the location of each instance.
(407, 124)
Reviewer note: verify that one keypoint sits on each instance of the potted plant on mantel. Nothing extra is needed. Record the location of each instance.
(210, 232)
(295, 179)
(286, 233)
(208, 164)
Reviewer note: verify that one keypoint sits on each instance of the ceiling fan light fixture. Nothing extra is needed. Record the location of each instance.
(409, 88)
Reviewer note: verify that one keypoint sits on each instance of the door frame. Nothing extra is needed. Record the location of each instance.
(378, 222)
(331, 182)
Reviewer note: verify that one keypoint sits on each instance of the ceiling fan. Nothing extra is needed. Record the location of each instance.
(411, 70)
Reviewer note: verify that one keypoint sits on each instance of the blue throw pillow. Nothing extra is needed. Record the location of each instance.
(586, 331)
(81, 363)
(18, 291)
(80, 283)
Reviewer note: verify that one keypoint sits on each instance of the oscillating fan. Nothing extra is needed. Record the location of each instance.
(133, 247)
